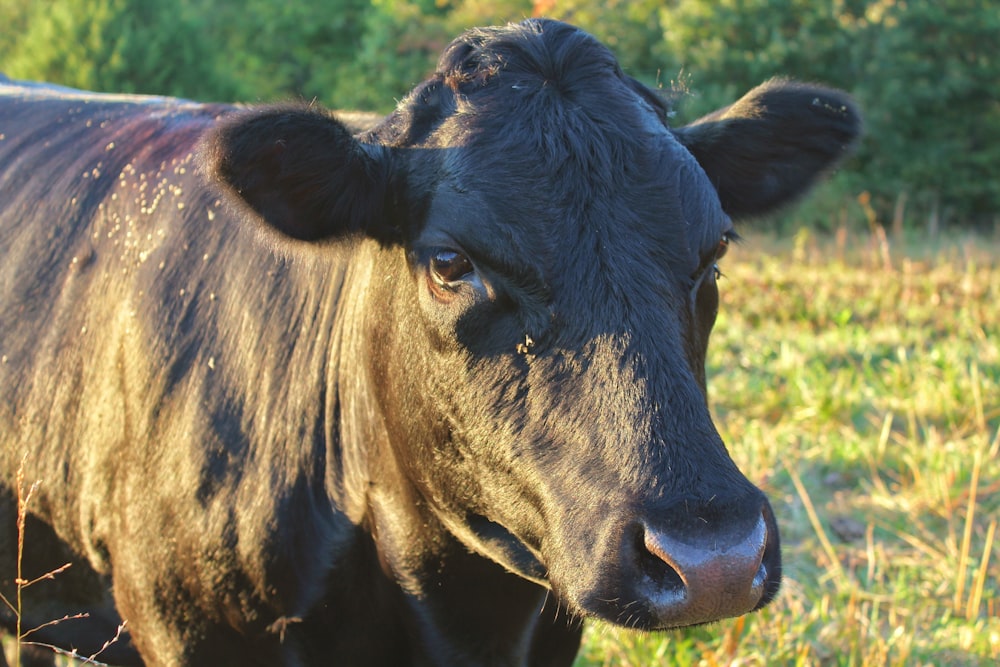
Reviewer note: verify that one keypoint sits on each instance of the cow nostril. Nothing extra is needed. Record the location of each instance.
(657, 566)
(759, 579)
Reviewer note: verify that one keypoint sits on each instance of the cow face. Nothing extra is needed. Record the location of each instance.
(547, 248)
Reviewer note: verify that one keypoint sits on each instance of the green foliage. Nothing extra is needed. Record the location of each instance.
(731, 45)
(281, 50)
(924, 71)
(392, 55)
(129, 46)
(928, 78)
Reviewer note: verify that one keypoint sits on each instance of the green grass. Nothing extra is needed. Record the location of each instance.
(859, 387)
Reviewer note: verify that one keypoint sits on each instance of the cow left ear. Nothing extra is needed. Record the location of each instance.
(302, 173)
(769, 147)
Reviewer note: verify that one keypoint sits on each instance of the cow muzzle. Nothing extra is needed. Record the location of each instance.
(705, 573)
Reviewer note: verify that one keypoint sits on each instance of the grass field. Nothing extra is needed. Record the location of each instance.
(859, 386)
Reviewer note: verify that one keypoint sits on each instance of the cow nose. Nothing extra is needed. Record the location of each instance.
(709, 575)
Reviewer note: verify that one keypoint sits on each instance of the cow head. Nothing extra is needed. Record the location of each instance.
(542, 250)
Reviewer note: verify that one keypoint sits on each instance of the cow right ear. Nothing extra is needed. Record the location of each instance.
(773, 144)
(302, 173)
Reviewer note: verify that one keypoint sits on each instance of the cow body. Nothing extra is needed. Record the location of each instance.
(426, 395)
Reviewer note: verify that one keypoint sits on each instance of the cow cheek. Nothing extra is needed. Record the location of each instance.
(416, 368)
(452, 387)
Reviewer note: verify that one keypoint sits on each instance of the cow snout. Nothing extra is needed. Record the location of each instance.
(699, 576)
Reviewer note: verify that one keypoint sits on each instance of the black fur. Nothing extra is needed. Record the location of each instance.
(336, 445)
(281, 163)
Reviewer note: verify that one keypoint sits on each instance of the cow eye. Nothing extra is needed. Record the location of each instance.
(720, 252)
(723, 246)
(710, 262)
(449, 266)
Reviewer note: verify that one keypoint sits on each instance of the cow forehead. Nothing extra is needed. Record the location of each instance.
(567, 199)
(536, 135)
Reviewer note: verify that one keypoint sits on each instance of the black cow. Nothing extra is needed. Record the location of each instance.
(427, 395)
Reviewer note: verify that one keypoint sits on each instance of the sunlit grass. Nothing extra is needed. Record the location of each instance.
(859, 386)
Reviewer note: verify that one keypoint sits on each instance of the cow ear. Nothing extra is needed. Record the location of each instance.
(769, 147)
(302, 173)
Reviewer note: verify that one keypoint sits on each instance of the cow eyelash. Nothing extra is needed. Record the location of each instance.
(725, 241)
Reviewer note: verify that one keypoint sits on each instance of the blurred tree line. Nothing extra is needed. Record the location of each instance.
(926, 72)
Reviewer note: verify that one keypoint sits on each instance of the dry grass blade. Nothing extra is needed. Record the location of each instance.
(977, 398)
(817, 526)
(24, 583)
(23, 499)
(37, 628)
(21, 636)
(963, 558)
(976, 594)
(86, 660)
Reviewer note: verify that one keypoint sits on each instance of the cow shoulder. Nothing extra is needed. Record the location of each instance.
(770, 146)
(301, 172)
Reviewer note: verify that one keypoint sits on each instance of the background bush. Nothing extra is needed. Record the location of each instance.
(924, 71)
